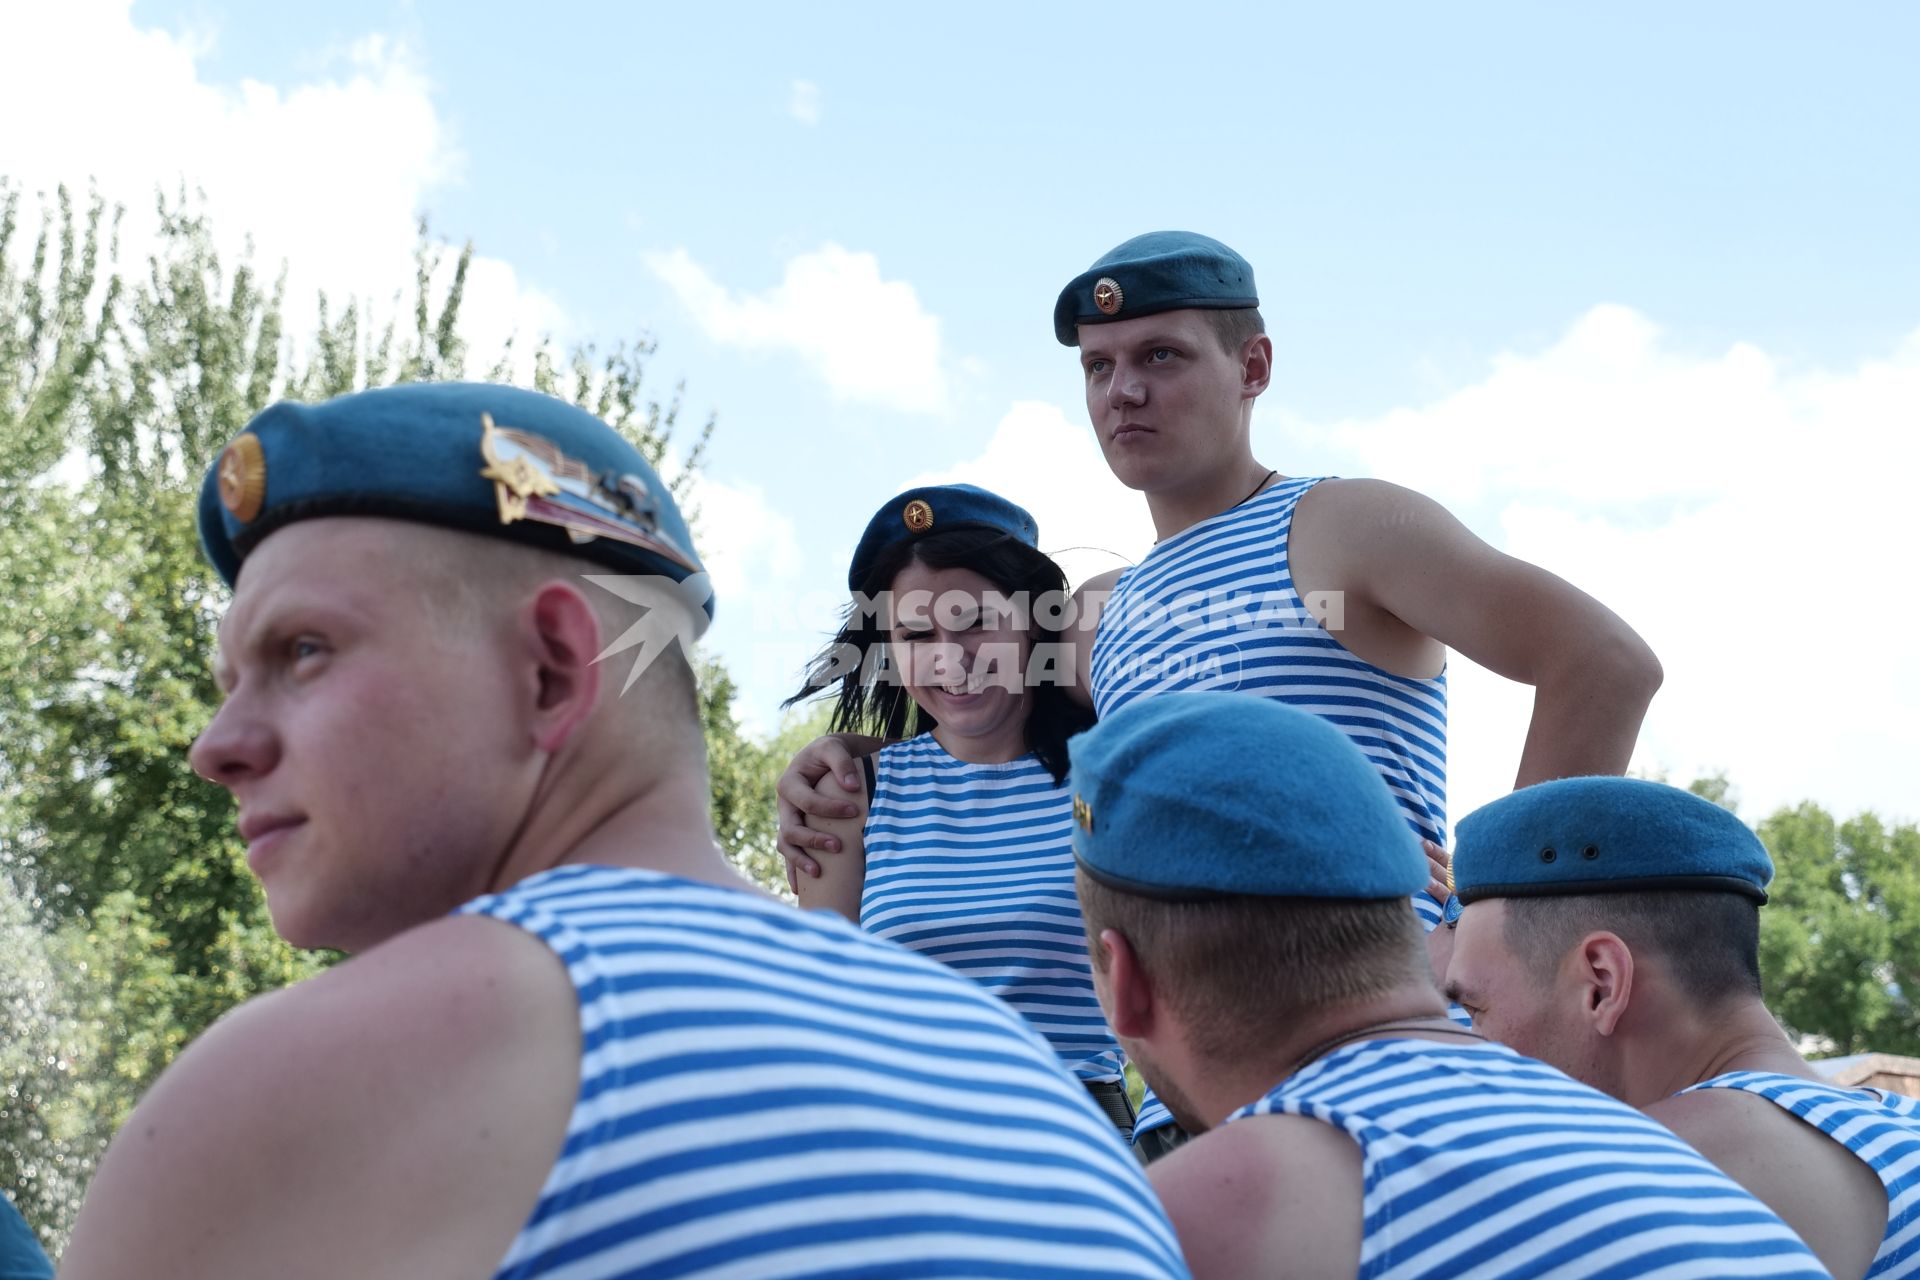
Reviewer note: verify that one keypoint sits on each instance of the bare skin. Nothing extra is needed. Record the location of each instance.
(1172, 413)
(1829, 1196)
(285, 1112)
(1615, 1019)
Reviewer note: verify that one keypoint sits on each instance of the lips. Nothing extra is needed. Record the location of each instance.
(255, 826)
(1130, 431)
(973, 684)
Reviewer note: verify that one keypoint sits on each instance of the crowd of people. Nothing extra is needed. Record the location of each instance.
(1190, 816)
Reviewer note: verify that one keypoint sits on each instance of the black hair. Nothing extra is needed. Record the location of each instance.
(873, 700)
(1710, 942)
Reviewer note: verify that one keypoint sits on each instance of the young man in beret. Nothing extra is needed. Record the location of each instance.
(572, 1040)
(1611, 927)
(1338, 596)
(1244, 876)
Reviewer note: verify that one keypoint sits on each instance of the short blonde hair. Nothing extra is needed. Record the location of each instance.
(467, 579)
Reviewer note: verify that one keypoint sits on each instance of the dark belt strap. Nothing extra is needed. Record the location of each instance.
(1111, 1097)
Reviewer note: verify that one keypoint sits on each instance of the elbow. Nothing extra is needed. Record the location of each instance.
(1626, 668)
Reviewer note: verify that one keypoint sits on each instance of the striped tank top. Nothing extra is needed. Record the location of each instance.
(1480, 1162)
(1214, 607)
(972, 865)
(767, 1092)
(1883, 1129)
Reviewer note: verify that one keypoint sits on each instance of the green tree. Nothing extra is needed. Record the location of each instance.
(114, 394)
(1840, 940)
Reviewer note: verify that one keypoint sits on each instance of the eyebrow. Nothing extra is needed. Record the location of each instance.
(269, 619)
(1150, 342)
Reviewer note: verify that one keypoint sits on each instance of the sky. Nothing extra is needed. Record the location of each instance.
(1634, 290)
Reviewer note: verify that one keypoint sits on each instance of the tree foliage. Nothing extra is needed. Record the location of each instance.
(1840, 942)
(131, 919)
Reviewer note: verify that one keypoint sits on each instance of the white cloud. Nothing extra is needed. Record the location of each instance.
(744, 542)
(804, 104)
(329, 175)
(752, 552)
(1046, 460)
(1752, 523)
(866, 336)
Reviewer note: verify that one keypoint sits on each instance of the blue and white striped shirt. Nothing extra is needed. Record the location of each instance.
(972, 865)
(1882, 1129)
(1481, 1162)
(766, 1092)
(1214, 608)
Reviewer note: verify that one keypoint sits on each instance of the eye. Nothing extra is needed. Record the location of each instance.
(1160, 355)
(1097, 367)
(906, 636)
(301, 648)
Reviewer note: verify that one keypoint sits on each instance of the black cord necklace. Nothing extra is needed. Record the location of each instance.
(1256, 489)
(1446, 1027)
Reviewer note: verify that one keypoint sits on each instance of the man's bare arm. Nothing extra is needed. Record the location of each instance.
(800, 798)
(1592, 675)
(1268, 1195)
(394, 1117)
(1088, 603)
(843, 875)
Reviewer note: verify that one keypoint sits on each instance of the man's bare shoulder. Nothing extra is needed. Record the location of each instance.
(1828, 1195)
(1359, 503)
(1096, 589)
(1264, 1188)
(1723, 1122)
(416, 1093)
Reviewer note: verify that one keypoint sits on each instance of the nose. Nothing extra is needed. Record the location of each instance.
(941, 661)
(1126, 388)
(236, 745)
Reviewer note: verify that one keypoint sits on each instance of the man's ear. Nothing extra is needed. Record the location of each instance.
(562, 634)
(1256, 369)
(1129, 990)
(1604, 974)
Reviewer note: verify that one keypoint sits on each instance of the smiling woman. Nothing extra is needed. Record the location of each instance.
(961, 844)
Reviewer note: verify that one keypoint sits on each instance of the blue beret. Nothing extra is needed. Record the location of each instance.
(1195, 795)
(936, 509)
(487, 459)
(1605, 835)
(1159, 271)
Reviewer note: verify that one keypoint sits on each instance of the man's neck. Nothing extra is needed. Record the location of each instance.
(659, 824)
(1176, 510)
(1219, 1087)
(1680, 1051)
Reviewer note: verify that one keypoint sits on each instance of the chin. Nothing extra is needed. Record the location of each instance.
(311, 926)
(1129, 472)
(299, 930)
